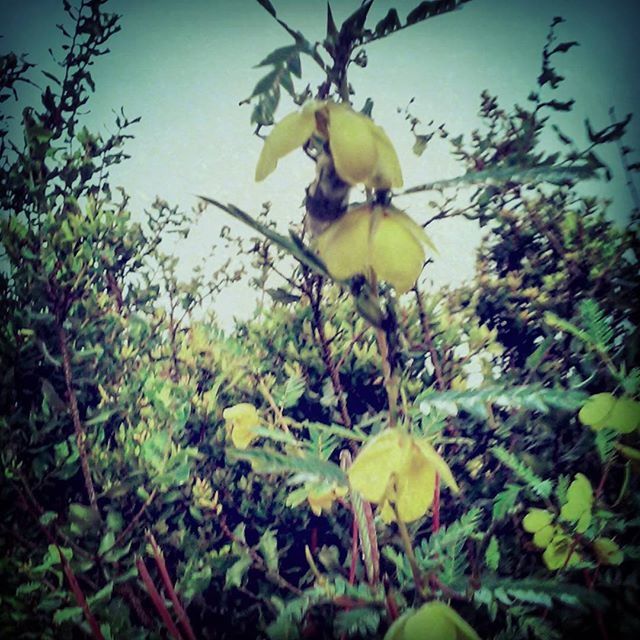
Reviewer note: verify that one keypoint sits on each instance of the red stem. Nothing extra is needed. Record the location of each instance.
(79, 596)
(168, 585)
(158, 603)
(435, 524)
(354, 550)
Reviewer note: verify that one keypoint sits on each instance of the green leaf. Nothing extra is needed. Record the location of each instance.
(266, 461)
(474, 401)
(106, 543)
(288, 396)
(297, 249)
(499, 175)
(540, 487)
(265, 83)
(83, 517)
(67, 614)
(155, 448)
(48, 517)
(388, 24)
(236, 572)
(505, 502)
(361, 622)
(269, 549)
(492, 554)
(268, 6)
(101, 596)
(279, 56)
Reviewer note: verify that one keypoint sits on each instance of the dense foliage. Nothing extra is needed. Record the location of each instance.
(352, 462)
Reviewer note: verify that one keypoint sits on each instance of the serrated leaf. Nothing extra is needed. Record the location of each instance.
(492, 554)
(288, 396)
(67, 614)
(102, 595)
(269, 549)
(266, 461)
(236, 572)
(504, 502)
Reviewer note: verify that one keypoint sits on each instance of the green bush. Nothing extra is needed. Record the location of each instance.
(351, 462)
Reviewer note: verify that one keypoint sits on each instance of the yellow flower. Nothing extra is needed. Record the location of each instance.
(322, 498)
(382, 239)
(431, 620)
(396, 467)
(241, 420)
(361, 150)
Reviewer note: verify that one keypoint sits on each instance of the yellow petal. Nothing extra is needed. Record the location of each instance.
(242, 436)
(438, 464)
(381, 456)
(289, 134)
(395, 254)
(352, 144)
(344, 246)
(320, 500)
(387, 513)
(241, 421)
(415, 485)
(387, 173)
(414, 228)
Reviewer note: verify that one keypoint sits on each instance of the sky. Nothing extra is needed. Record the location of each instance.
(184, 67)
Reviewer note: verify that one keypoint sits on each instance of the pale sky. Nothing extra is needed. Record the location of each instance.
(184, 67)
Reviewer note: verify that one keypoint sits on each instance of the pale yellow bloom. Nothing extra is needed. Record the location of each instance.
(362, 152)
(396, 467)
(241, 421)
(382, 239)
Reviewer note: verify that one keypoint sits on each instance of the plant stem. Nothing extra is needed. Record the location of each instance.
(411, 557)
(325, 350)
(81, 436)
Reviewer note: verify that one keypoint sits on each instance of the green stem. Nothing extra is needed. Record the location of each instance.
(411, 557)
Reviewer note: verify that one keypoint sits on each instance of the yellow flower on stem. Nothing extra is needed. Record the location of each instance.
(241, 421)
(362, 152)
(384, 240)
(394, 467)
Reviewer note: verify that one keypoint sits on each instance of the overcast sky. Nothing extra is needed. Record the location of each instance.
(184, 67)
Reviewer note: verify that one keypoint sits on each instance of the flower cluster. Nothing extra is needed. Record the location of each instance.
(362, 152)
(384, 240)
(395, 468)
